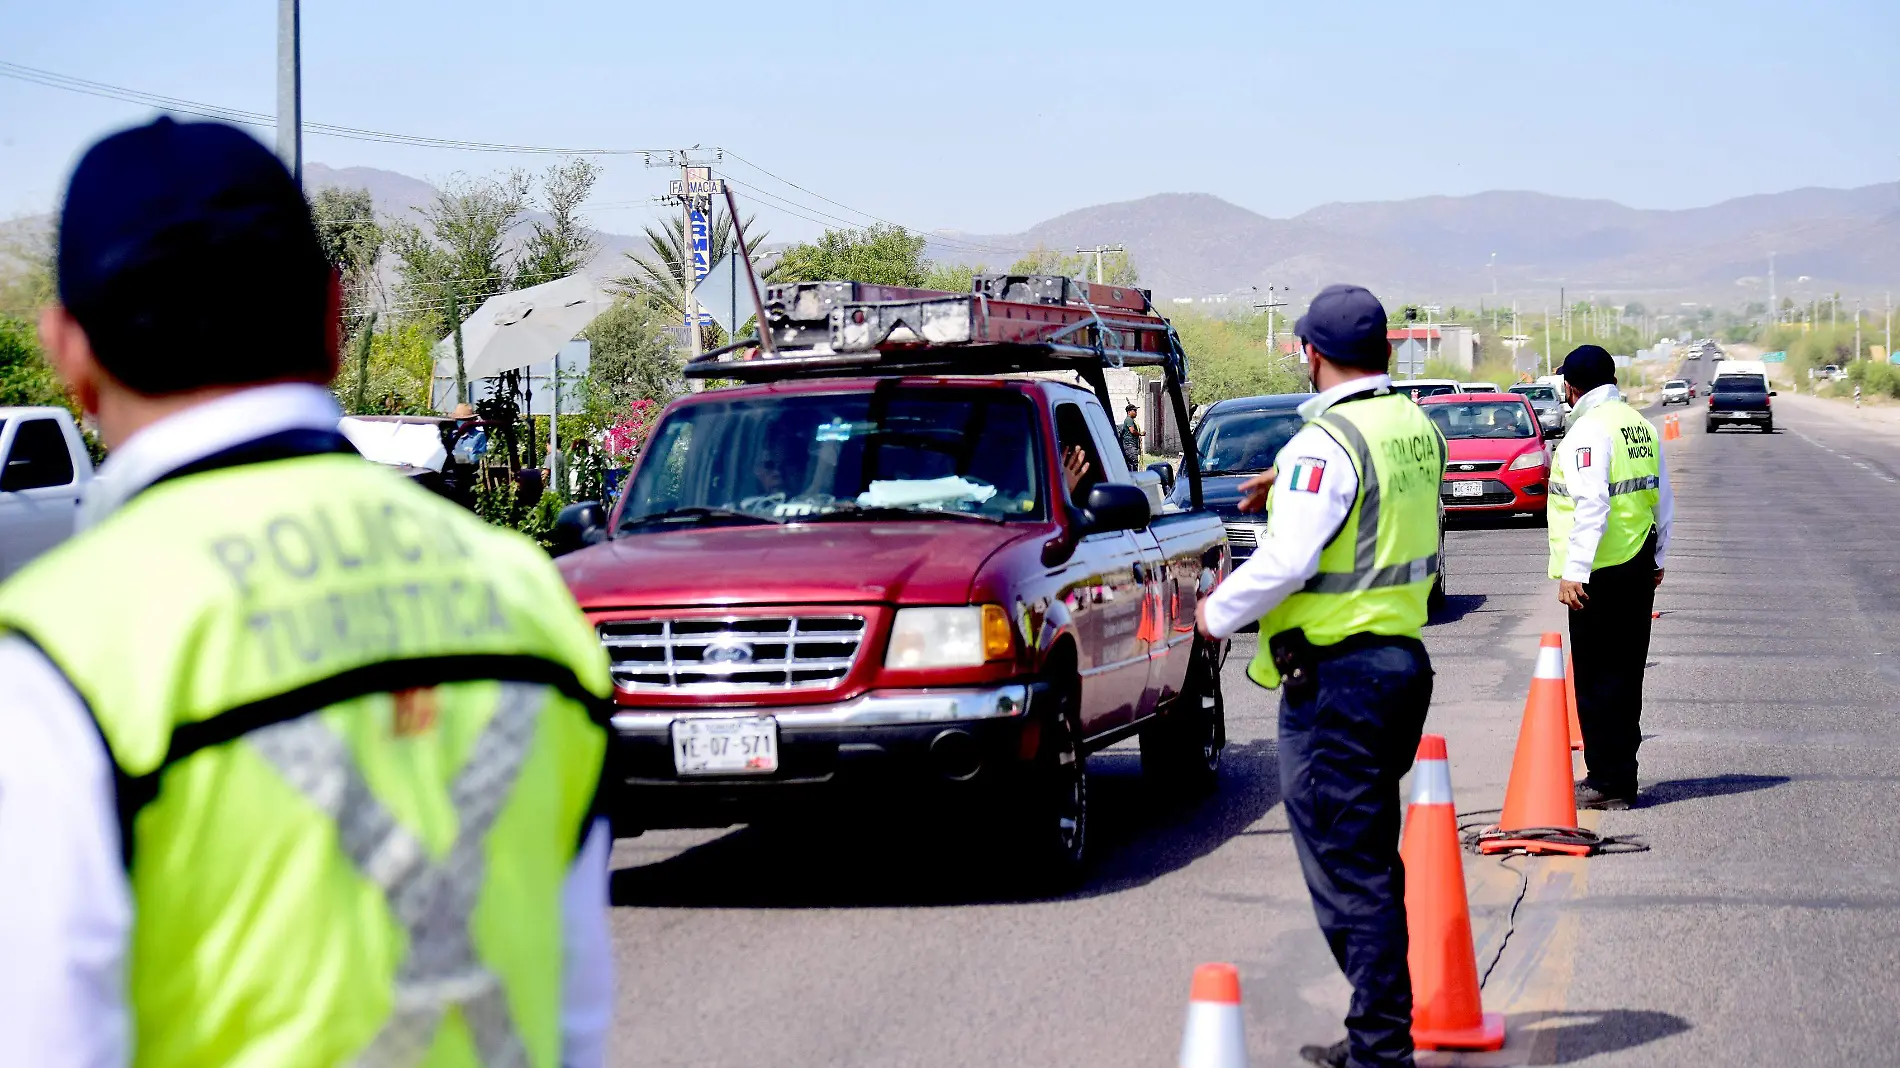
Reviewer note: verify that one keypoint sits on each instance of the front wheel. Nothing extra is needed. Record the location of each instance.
(1181, 750)
(1047, 816)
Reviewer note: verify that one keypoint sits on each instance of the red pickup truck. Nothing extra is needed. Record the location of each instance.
(906, 565)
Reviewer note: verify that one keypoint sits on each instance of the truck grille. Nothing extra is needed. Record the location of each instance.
(732, 654)
(1461, 467)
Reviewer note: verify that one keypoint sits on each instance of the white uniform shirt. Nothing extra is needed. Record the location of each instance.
(65, 902)
(1589, 487)
(1311, 498)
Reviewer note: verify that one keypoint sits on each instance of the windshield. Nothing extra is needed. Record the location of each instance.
(1675, 383)
(1740, 384)
(933, 453)
(1413, 389)
(1231, 443)
(1482, 419)
(1536, 393)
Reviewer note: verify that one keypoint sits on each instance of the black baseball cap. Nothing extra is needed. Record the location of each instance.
(1587, 367)
(1347, 325)
(188, 255)
(1131, 407)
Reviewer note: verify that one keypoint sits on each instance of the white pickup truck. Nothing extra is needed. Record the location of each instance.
(43, 478)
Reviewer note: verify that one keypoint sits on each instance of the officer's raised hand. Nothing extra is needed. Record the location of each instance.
(1253, 492)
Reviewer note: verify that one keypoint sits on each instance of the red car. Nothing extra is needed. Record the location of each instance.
(1496, 459)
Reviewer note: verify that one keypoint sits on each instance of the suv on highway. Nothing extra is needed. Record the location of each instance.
(1235, 440)
(1547, 402)
(1740, 399)
(1675, 391)
(904, 564)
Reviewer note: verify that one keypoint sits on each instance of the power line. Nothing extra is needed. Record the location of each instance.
(55, 80)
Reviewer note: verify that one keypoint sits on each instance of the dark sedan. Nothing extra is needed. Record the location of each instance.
(1236, 440)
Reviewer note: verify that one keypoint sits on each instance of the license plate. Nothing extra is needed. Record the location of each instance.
(1467, 489)
(725, 745)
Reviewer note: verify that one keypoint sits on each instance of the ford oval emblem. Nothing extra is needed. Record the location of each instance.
(727, 651)
(1467, 467)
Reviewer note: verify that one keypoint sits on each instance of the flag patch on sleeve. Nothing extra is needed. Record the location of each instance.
(1583, 457)
(1307, 471)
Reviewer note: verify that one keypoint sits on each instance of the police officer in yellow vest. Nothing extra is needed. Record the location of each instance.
(1341, 579)
(298, 762)
(1610, 511)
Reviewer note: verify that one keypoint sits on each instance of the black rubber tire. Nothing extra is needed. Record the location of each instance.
(1708, 427)
(1768, 428)
(1046, 816)
(1436, 600)
(1181, 750)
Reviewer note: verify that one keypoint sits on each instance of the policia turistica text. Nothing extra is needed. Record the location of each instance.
(1339, 585)
(299, 761)
(1610, 512)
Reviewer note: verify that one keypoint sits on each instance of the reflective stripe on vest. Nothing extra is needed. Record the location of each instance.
(433, 902)
(1366, 574)
(1635, 485)
(1559, 489)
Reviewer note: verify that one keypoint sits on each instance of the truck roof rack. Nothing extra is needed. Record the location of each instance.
(1007, 323)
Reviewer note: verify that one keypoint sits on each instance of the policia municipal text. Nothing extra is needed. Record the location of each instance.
(1610, 511)
(298, 762)
(1341, 579)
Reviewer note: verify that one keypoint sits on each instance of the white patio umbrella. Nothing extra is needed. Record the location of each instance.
(528, 326)
(511, 331)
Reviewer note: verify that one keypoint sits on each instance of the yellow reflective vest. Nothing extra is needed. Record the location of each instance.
(1376, 573)
(355, 739)
(1635, 477)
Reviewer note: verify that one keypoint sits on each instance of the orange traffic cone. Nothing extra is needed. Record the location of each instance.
(1214, 1038)
(1541, 799)
(1447, 1010)
(1570, 704)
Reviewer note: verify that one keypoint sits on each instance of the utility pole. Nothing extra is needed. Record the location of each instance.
(1547, 339)
(1097, 252)
(1857, 328)
(1889, 326)
(289, 90)
(1269, 305)
(1563, 302)
(693, 192)
(1494, 274)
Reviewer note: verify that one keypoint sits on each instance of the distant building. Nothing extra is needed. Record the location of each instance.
(1413, 347)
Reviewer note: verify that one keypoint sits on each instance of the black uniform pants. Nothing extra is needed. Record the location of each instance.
(1345, 741)
(1609, 644)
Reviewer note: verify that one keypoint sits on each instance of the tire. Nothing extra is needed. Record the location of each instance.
(1708, 427)
(1436, 600)
(1046, 815)
(1768, 428)
(1181, 750)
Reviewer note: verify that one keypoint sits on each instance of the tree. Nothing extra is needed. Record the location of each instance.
(459, 245)
(630, 359)
(950, 277)
(659, 275)
(564, 244)
(881, 255)
(1118, 268)
(352, 242)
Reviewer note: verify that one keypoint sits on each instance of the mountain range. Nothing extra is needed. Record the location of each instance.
(1431, 248)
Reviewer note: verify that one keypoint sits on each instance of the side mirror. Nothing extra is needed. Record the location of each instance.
(578, 526)
(1166, 471)
(1116, 506)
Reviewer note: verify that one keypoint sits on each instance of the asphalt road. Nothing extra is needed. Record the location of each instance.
(1763, 926)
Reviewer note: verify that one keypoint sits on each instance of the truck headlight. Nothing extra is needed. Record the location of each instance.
(1527, 461)
(948, 637)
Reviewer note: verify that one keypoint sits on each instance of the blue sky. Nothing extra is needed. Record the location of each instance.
(940, 116)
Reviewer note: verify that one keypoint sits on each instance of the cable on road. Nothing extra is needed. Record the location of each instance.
(1510, 923)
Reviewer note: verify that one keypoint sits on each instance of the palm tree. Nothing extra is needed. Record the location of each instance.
(658, 273)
